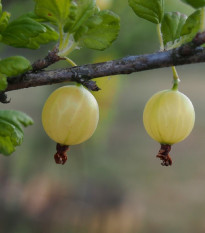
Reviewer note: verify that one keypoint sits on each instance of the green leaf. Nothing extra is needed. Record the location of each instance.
(191, 26)
(3, 82)
(195, 3)
(189, 30)
(71, 19)
(56, 11)
(13, 66)
(0, 8)
(171, 26)
(16, 118)
(6, 145)
(151, 10)
(99, 31)
(80, 12)
(4, 20)
(43, 38)
(32, 15)
(19, 32)
(11, 132)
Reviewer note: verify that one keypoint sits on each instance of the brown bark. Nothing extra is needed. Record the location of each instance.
(189, 53)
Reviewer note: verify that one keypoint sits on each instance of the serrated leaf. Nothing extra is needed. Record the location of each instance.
(171, 26)
(4, 20)
(151, 10)
(189, 30)
(16, 118)
(80, 12)
(195, 3)
(43, 38)
(191, 26)
(99, 31)
(46, 37)
(11, 132)
(19, 32)
(56, 11)
(71, 19)
(3, 82)
(32, 15)
(13, 66)
(6, 145)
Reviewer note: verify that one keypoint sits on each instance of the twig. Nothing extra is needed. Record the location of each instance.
(189, 53)
(50, 59)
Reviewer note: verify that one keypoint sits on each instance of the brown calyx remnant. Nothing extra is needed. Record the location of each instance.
(163, 154)
(61, 156)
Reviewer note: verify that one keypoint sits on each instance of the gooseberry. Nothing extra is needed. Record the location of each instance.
(168, 118)
(104, 4)
(70, 115)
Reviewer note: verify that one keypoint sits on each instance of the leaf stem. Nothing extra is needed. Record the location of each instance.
(176, 78)
(175, 74)
(60, 28)
(159, 33)
(202, 24)
(70, 61)
(68, 49)
(66, 40)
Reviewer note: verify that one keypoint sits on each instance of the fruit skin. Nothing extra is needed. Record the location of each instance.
(70, 115)
(104, 4)
(169, 117)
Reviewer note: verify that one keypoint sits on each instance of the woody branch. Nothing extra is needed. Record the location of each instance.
(189, 53)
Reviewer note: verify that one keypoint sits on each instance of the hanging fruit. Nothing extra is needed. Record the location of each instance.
(168, 118)
(69, 117)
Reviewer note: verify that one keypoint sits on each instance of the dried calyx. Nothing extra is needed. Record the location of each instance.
(163, 154)
(61, 156)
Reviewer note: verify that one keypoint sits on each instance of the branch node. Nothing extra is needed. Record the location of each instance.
(91, 85)
(85, 81)
(193, 47)
(199, 39)
(4, 99)
(188, 49)
(50, 59)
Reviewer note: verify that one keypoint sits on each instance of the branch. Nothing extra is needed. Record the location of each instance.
(50, 59)
(186, 54)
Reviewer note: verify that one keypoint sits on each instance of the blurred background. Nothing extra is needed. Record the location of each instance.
(113, 183)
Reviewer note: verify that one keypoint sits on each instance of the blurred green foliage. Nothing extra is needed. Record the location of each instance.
(113, 183)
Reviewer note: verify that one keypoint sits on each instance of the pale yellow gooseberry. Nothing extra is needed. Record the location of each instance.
(70, 115)
(104, 4)
(168, 118)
